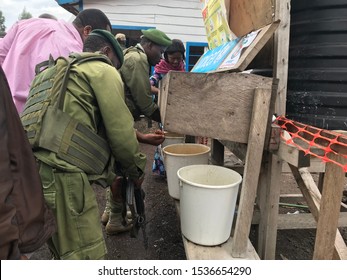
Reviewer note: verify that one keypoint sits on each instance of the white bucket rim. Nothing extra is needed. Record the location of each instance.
(209, 186)
(173, 135)
(208, 149)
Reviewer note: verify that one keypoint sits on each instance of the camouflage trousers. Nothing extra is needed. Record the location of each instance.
(72, 199)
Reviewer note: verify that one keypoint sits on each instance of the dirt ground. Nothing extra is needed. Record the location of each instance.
(163, 227)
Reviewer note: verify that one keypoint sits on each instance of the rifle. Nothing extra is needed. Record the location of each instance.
(139, 217)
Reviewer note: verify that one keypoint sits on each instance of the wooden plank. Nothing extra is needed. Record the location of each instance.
(275, 138)
(253, 49)
(298, 221)
(215, 105)
(281, 53)
(248, 15)
(312, 196)
(316, 166)
(221, 252)
(238, 149)
(305, 221)
(268, 203)
(260, 113)
(291, 198)
(292, 155)
(217, 152)
(329, 211)
(320, 182)
(238, 169)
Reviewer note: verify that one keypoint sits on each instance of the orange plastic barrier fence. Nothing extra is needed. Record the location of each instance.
(314, 141)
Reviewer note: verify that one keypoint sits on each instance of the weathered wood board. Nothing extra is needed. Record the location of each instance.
(216, 105)
(248, 15)
(253, 49)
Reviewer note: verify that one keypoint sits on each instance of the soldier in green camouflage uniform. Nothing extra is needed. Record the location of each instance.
(135, 75)
(94, 100)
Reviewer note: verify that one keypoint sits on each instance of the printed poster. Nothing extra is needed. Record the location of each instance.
(224, 56)
(234, 56)
(216, 24)
(211, 59)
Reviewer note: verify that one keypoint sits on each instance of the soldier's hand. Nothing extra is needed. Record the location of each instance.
(138, 182)
(154, 139)
(116, 188)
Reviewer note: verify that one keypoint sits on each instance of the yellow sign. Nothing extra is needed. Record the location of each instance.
(216, 23)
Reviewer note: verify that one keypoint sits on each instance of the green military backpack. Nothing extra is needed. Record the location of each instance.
(48, 127)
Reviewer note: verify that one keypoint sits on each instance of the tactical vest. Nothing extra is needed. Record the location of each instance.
(48, 127)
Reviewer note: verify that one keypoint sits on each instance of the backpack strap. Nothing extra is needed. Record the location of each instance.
(47, 63)
(77, 58)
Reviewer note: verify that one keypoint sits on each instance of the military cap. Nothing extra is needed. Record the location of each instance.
(156, 36)
(112, 40)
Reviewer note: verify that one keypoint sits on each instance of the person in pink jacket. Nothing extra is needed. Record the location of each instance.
(31, 41)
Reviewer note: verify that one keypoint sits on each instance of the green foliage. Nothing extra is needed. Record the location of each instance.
(25, 14)
(2, 23)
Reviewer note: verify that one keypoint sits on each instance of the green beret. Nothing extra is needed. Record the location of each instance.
(156, 36)
(112, 40)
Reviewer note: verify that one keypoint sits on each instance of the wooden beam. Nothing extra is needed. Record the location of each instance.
(275, 138)
(316, 166)
(304, 221)
(248, 15)
(217, 152)
(281, 53)
(238, 149)
(312, 196)
(292, 155)
(222, 252)
(298, 221)
(215, 105)
(329, 211)
(268, 203)
(260, 113)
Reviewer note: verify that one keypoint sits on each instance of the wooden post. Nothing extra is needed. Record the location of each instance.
(329, 211)
(269, 191)
(268, 202)
(312, 195)
(217, 152)
(281, 49)
(256, 140)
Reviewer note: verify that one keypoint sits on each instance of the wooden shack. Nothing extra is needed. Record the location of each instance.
(235, 110)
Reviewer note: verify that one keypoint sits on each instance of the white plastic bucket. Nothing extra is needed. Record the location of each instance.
(172, 138)
(207, 204)
(180, 155)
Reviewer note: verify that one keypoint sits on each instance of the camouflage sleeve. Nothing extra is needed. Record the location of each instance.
(118, 121)
(135, 74)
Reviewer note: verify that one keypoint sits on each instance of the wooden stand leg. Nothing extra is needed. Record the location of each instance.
(252, 170)
(268, 202)
(312, 196)
(329, 211)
